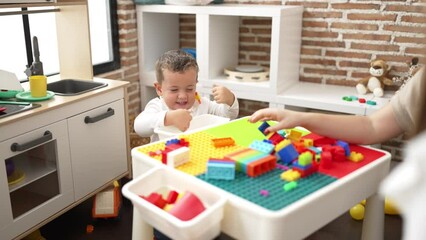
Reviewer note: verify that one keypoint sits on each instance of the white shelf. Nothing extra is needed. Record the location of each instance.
(330, 98)
(217, 45)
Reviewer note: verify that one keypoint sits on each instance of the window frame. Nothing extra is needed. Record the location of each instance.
(100, 68)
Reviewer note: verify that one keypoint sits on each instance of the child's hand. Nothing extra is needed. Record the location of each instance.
(222, 95)
(285, 118)
(179, 118)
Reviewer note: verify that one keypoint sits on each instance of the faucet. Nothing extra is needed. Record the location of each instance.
(36, 67)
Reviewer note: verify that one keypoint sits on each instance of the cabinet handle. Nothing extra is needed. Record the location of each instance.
(21, 147)
(108, 113)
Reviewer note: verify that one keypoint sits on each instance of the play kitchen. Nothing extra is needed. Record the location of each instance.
(51, 129)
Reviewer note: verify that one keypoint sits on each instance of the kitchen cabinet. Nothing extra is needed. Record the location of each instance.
(40, 183)
(97, 149)
(68, 149)
(217, 40)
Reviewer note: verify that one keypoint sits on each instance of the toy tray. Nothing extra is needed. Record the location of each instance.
(250, 210)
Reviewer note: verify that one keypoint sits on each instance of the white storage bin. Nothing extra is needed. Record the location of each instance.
(197, 122)
(205, 225)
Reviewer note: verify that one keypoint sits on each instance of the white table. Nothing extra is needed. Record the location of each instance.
(248, 221)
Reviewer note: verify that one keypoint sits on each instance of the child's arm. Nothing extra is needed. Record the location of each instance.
(371, 129)
(222, 94)
(179, 118)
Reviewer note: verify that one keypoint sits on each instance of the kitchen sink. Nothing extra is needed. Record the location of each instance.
(71, 87)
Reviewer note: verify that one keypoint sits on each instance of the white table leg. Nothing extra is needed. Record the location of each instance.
(374, 219)
(140, 229)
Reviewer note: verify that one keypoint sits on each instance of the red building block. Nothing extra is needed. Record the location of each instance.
(319, 141)
(275, 138)
(156, 199)
(262, 166)
(171, 198)
(326, 160)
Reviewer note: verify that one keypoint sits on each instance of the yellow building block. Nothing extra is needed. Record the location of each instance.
(290, 175)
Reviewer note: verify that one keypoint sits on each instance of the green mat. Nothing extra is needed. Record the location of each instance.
(249, 188)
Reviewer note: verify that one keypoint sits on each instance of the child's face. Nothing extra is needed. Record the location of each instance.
(178, 89)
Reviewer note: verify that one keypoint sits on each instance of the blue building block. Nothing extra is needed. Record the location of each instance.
(217, 170)
(288, 154)
(345, 146)
(262, 146)
(263, 126)
(172, 141)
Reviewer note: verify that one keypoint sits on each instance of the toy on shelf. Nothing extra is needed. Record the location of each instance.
(377, 80)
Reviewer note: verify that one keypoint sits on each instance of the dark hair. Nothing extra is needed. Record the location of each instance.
(175, 61)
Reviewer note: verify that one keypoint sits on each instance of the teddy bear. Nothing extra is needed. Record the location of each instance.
(377, 79)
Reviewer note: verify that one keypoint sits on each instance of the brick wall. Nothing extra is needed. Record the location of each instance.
(339, 39)
(129, 71)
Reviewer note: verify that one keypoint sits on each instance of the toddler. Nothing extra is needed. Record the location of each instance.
(178, 101)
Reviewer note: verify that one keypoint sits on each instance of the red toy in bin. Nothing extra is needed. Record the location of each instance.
(187, 207)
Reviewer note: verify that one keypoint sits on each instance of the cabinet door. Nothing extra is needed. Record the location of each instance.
(35, 178)
(98, 147)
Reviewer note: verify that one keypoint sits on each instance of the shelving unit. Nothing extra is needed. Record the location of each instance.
(217, 40)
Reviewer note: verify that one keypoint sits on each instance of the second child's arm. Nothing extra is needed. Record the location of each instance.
(375, 128)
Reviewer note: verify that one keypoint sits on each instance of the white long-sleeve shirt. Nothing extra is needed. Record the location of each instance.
(155, 111)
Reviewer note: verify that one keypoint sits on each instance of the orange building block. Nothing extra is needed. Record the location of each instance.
(223, 142)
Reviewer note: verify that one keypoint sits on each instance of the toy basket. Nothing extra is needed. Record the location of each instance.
(205, 225)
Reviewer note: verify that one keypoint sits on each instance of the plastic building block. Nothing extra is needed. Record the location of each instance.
(156, 199)
(188, 207)
(223, 142)
(326, 160)
(305, 158)
(354, 98)
(261, 166)
(262, 146)
(263, 127)
(288, 154)
(294, 135)
(282, 144)
(346, 98)
(356, 157)
(305, 170)
(319, 141)
(171, 197)
(308, 142)
(371, 102)
(290, 175)
(264, 192)
(339, 154)
(275, 137)
(178, 157)
(345, 146)
(361, 100)
(198, 98)
(282, 167)
(172, 141)
(290, 186)
(221, 170)
(89, 228)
